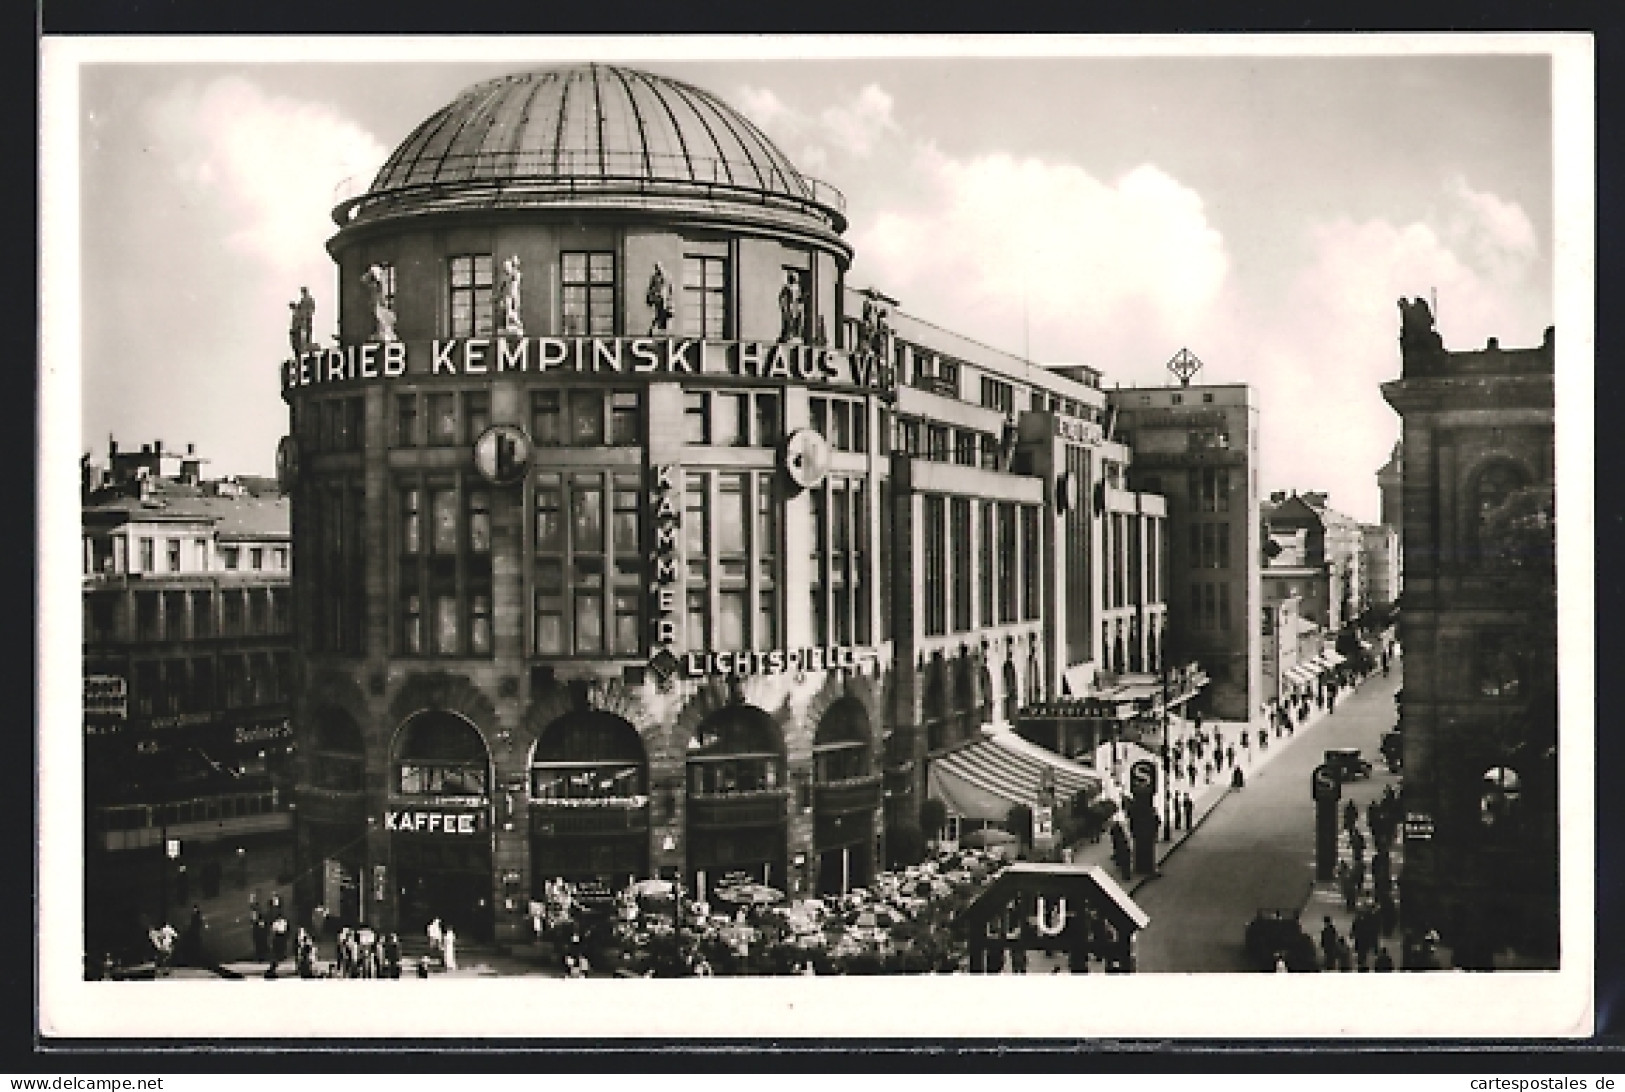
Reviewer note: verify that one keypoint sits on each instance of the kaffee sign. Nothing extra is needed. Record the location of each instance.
(787, 362)
(435, 821)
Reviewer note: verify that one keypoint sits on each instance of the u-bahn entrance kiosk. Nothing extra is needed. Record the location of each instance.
(1076, 909)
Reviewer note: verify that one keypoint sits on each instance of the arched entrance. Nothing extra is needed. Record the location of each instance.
(736, 800)
(334, 815)
(589, 802)
(846, 791)
(440, 823)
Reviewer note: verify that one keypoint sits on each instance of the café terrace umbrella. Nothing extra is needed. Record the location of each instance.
(989, 836)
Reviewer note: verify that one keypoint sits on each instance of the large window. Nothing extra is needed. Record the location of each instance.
(443, 566)
(839, 557)
(998, 395)
(589, 755)
(844, 422)
(935, 534)
(730, 523)
(337, 569)
(586, 417)
(985, 566)
(705, 297)
(588, 567)
(587, 286)
(440, 754)
(1032, 582)
(1007, 562)
(960, 554)
(471, 295)
(1210, 489)
(735, 750)
(732, 418)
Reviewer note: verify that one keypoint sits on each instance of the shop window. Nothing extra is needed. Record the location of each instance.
(471, 295)
(735, 750)
(590, 756)
(440, 754)
(841, 745)
(587, 284)
(705, 297)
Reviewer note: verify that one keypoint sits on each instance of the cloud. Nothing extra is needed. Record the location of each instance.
(857, 126)
(270, 164)
(1325, 351)
(1102, 270)
(854, 127)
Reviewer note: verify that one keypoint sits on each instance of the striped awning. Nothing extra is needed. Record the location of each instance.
(1300, 674)
(983, 780)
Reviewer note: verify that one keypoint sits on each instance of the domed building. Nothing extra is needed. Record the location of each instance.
(597, 515)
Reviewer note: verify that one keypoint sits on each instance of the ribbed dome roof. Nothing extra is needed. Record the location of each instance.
(603, 125)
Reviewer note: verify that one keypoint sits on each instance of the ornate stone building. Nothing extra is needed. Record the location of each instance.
(1479, 631)
(631, 540)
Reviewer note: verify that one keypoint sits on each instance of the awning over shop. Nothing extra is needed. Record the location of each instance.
(983, 780)
(1299, 675)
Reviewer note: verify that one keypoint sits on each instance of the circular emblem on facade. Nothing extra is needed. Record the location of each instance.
(502, 455)
(806, 457)
(287, 463)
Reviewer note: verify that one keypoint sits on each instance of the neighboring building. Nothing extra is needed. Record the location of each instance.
(1281, 631)
(1379, 566)
(1330, 541)
(1390, 482)
(187, 667)
(1478, 628)
(1198, 447)
(685, 559)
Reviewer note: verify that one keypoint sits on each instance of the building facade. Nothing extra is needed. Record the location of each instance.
(1197, 446)
(188, 680)
(1379, 566)
(632, 540)
(1478, 626)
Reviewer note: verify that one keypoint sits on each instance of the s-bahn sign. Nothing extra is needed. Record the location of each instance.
(784, 362)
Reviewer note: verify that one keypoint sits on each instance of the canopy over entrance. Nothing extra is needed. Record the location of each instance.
(983, 780)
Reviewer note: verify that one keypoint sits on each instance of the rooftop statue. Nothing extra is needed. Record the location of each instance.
(383, 316)
(1416, 325)
(507, 299)
(300, 329)
(659, 299)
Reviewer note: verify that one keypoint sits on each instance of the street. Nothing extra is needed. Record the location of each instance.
(1256, 848)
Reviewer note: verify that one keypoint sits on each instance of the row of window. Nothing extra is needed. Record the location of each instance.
(330, 424)
(921, 439)
(187, 615)
(1003, 557)
(588, 288)
(203, 684)
(1131, 560)
(108, 555)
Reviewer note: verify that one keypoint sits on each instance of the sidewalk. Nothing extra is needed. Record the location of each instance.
(1206, 798)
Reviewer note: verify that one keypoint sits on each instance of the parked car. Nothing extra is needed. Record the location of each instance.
(1346, 764)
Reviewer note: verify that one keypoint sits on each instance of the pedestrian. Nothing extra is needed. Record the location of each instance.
(1190, 810)
(1230, 755)
(1328, 943)
(1190, 772)
(392, 955)
(1351, 815)
(1207, 773)
(163, 948)
(448, 948)
(1331, 702)
(1357, 875)
(1357, 846)
(194, 938)
(435, 935)
(1384, 962)
(1236, 780)
(423, 966)
(1121, 855)
(262, 938)
(279, 938)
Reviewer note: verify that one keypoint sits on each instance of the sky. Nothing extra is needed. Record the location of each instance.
(1264, 212)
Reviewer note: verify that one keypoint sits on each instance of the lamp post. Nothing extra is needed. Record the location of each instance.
(1167, 749)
